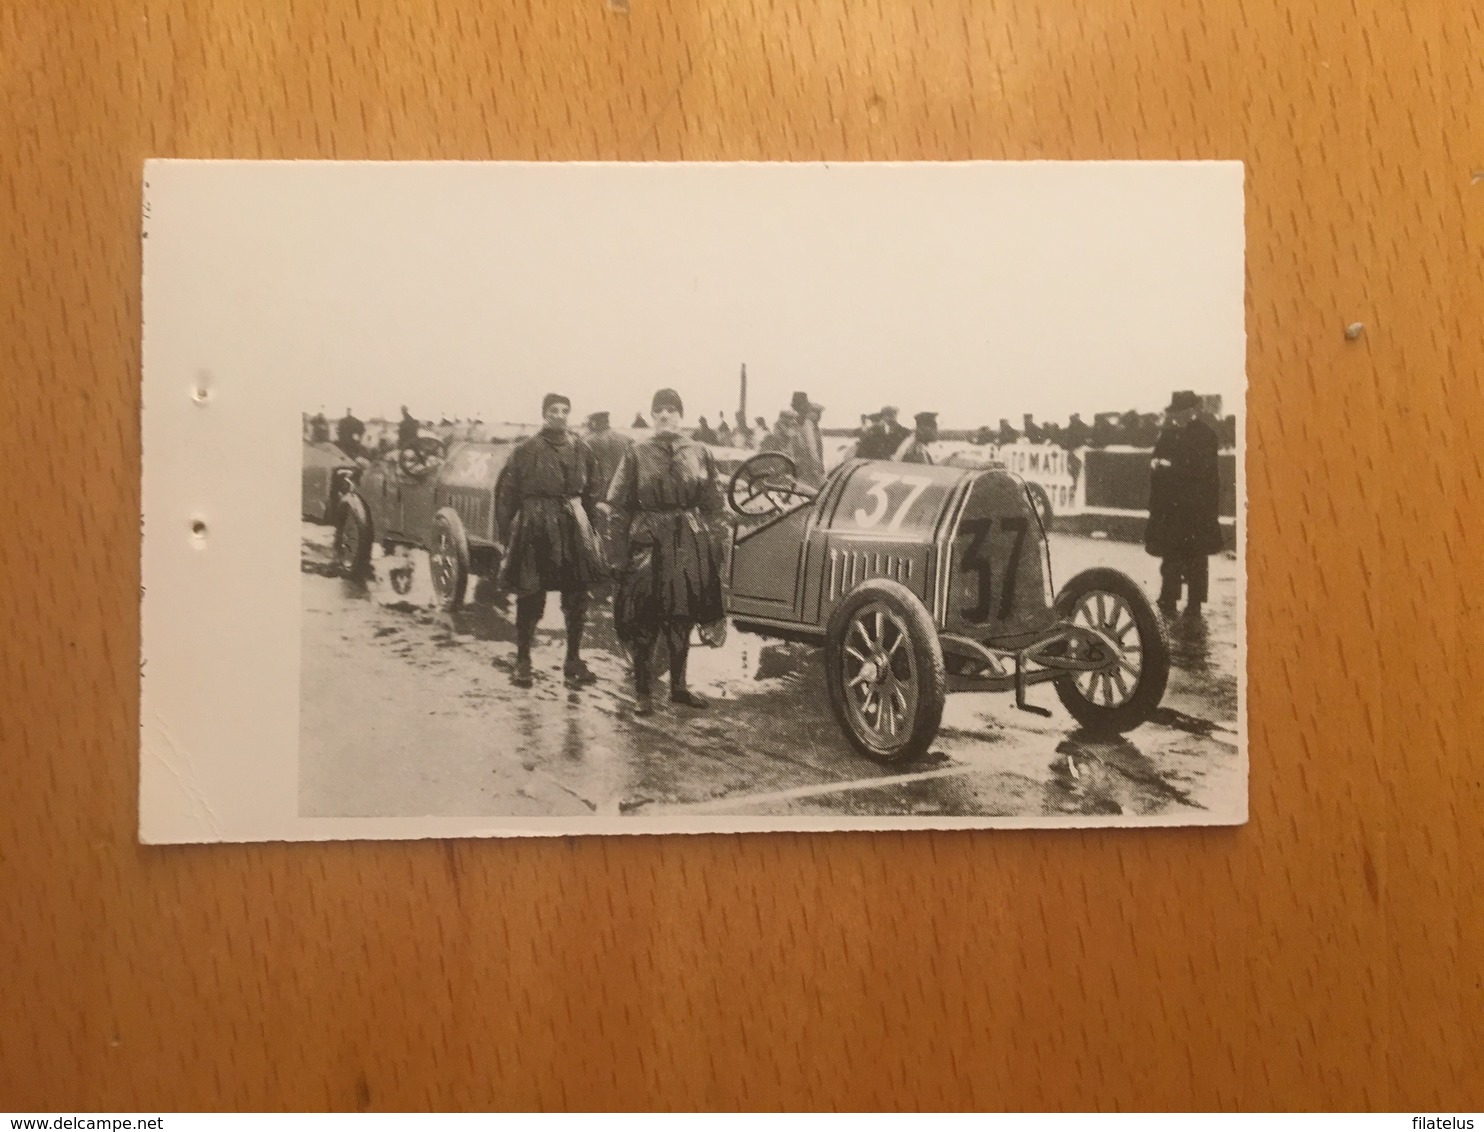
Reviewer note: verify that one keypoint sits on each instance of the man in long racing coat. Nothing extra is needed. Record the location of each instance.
(666, 510)
(545, 504)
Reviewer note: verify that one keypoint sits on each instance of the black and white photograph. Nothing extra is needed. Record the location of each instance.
(692, 497)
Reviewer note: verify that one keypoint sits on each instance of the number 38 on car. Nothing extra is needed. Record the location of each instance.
(921, 580)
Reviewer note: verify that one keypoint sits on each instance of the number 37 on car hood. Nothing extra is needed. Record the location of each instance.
(967, 542)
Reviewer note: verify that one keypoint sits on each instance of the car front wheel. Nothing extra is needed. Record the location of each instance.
(885, 672)
(448, 559)
(353, 539)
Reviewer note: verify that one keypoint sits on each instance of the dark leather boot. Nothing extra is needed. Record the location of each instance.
(679, 640)
(520, 675)
(527, 617)
(577, 673)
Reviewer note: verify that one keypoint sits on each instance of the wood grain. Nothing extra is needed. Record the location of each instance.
(1325, 956)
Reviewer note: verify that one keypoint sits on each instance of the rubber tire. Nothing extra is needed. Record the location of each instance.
(354, 561)
(447, 518)
(927, 660)
(1156, 644)
(1041, 504)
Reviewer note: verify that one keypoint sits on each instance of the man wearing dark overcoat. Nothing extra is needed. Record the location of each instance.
(875, 441)
(545, 505)
(665, 507)
(407, 430)
(607, 448)
(348, 433)
(1184, 493)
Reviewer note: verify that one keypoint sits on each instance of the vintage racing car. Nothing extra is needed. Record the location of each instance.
(446, 507)
(922, 580)
(328, 474)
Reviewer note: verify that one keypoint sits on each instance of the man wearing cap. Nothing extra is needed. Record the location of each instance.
(1184, 494)
(545, 503)
(665, 509)
(607, 448)
(914, 449)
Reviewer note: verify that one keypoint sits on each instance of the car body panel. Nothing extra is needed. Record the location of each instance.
(999, 571)
(966, 542)
(402, 506)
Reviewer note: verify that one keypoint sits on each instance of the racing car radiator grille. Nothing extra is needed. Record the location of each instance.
(474, 512)
(847, 567)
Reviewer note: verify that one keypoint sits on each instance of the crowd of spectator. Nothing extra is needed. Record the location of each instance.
(1131, 429)
(796, 431)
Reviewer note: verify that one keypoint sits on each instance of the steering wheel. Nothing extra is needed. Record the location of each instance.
(765, 484)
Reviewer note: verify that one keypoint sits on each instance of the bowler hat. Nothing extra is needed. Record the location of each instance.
(1183, 399)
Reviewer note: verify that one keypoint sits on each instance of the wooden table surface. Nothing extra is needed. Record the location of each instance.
(1327, 955)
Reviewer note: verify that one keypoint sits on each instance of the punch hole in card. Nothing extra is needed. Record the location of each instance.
(557, 499)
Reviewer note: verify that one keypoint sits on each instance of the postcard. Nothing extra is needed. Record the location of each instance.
(506, 499)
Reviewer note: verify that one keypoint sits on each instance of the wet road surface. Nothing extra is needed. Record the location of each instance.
(407, 711)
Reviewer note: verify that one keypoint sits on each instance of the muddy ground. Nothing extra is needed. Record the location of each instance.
(408, 711)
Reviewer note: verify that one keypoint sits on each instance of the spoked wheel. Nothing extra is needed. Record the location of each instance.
(353, 539)
(884, 668)
(1128, 688)
(448, 559)
(764, 485)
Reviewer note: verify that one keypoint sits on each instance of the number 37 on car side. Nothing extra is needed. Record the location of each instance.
(921, 580)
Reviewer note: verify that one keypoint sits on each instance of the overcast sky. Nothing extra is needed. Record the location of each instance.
(979, 290)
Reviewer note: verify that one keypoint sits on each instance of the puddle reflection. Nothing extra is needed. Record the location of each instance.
(1106, 775)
